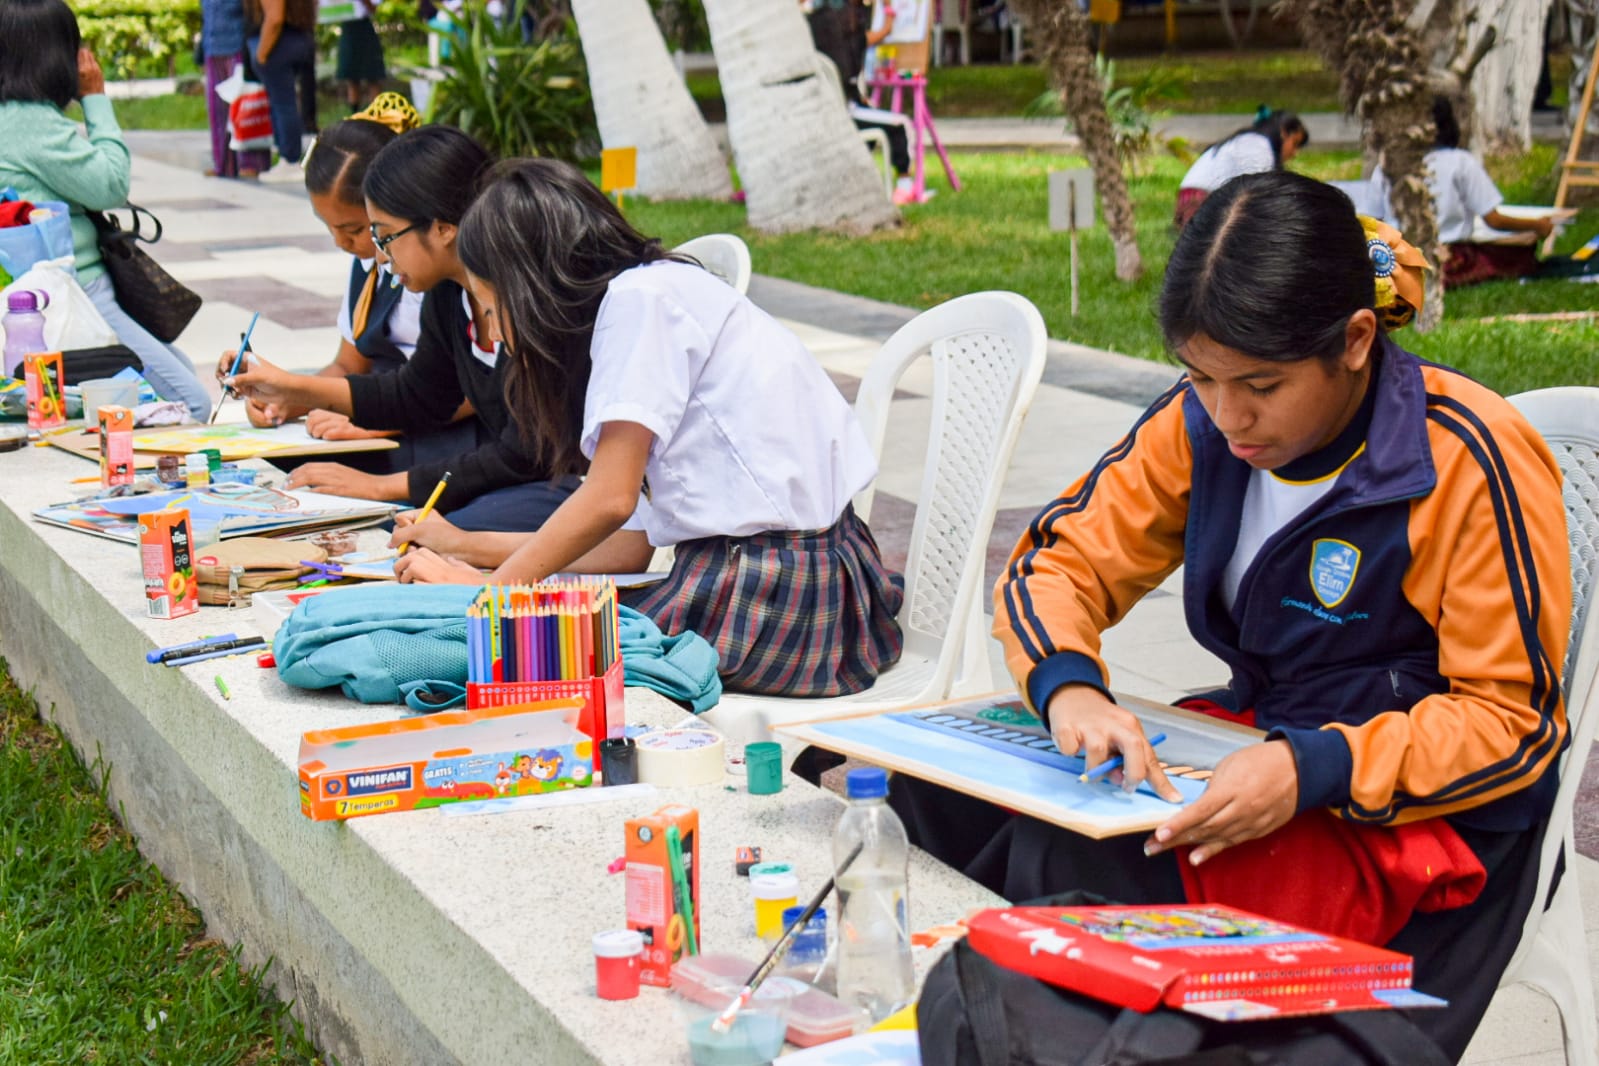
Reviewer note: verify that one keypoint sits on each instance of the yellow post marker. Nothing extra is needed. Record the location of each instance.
(427, 508)
(618, 171)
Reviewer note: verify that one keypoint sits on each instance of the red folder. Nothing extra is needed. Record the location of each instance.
(1209, 959)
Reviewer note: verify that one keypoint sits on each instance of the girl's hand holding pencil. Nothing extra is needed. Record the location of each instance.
(1082, 718)
(257, 380)
(426, 567)
(437, 532)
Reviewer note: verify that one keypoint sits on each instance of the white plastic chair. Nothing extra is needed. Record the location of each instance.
(953, 16)
(987, 351)
(872, 138)
(722, 254)
(1553, 954)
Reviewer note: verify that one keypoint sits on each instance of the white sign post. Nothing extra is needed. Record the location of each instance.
(1071, 208)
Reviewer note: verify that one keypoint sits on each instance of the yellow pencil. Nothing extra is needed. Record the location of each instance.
(427, 508)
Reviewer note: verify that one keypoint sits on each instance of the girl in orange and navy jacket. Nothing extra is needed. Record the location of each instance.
(1375, 546)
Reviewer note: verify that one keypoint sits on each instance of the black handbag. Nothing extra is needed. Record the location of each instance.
(151, 297)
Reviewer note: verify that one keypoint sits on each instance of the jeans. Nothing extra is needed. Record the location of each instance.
(515, 508)
(280, 76)
(168, 370)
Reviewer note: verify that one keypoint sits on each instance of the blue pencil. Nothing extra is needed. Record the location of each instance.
(1114, 762)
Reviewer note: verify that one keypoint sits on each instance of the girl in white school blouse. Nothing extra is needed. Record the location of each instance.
(667, 380)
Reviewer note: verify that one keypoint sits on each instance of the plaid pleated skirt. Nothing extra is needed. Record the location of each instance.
(790, 614)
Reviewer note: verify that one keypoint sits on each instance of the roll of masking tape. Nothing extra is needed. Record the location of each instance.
(674, 758)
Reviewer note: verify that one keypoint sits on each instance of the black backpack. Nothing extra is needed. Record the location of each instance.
(973, 1012)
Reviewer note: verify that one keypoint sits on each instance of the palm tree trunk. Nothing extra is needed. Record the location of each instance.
(799, 156)
(1060, 29)
(640, 101)
(1382, 80)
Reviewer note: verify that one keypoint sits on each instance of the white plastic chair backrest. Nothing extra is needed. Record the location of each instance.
(987, 351)
(724, 255)
(1568, 419)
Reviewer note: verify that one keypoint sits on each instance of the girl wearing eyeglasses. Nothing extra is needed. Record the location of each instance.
(653, 373)
(417, 190)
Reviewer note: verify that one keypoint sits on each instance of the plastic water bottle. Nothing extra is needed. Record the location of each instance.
(874, 944)
(24, 326)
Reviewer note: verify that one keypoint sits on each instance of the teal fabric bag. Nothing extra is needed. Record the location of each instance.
(407, 643)
(376, 641)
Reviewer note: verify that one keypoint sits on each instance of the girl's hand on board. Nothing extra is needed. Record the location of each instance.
(423, 566)
(1254, 791)
(330, 425)
(1082, 718)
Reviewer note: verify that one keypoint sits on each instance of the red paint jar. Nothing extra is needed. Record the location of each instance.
(616, 963)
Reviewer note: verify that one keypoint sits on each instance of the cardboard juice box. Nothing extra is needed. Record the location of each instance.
(116, 446)
(47, 407)
(655, 905)
(171, 589)
(412, 763)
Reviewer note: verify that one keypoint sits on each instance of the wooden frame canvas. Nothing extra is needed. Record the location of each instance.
(1096, 809)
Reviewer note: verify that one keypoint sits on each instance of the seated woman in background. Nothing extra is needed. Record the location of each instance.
(1462, 192)
(1376, 548)
(417, 191)
(1273, 140)
(379, 321)
(46, 157)
(658, 376)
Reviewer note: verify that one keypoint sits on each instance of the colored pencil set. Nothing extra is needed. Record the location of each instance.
(565, 630)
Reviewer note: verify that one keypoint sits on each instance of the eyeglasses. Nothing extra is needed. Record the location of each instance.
(383, 242)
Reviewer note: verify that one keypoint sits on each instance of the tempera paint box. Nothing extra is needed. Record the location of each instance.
(427, 761)
(116, 446)
(653, 904)
(47, 406)
(171, 589)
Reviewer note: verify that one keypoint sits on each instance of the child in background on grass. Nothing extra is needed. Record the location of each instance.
(658, 376)
(1274, 139)
(1375, 546)
(417, 190)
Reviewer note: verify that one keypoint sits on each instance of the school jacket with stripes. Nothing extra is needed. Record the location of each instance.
(1404, 634)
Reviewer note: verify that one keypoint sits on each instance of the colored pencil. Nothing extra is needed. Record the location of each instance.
(1114, 762)
(427, 508)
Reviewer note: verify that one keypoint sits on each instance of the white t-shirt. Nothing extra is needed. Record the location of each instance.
(750, 433)
(1270, 503)
(405, 321)
(1461, 189)
(1247, 153)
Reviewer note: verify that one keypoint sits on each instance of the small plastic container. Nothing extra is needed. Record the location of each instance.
(196, 470)
(763, 767)
(169, 470)
(616, 963)
(233, 474)
(814, 1017)
(773, 894)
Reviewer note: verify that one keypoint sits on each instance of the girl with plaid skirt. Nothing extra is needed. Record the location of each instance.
(703, 423)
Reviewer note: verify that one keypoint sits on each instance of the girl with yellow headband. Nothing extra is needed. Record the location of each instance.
(1372, 546)
(379, 321)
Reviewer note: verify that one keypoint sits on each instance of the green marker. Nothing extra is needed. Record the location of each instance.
(222, 687)
(674, 853)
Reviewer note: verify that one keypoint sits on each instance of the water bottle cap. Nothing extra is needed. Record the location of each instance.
(26, 300)
(866, 782)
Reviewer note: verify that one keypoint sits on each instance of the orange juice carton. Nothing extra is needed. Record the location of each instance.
(408, 764)
(116, 446)
(663, 897)
(47, 407)
(171, 589)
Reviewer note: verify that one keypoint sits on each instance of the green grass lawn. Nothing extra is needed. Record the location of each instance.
(993, 235)
(102, 961)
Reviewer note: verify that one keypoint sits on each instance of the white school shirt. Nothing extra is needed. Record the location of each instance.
(1270, 503)
(405, 321)
(1461, 189)
(1247, 153)
(750, 433)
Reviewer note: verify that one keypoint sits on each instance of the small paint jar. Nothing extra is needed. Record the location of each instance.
(169, 469)
(619, 760)
(196, 470)
(774, 893)
(213, 459)
(763, 767)
(232, 474)
(809, 946)
(616, 963)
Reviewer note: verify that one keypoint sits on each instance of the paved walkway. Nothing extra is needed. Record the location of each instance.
(248, 247)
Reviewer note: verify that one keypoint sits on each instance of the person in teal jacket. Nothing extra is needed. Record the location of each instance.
(43, 68)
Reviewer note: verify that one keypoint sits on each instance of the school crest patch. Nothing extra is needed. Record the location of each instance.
(1333, 565)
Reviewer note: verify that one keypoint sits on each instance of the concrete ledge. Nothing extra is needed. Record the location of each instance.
(405, 938)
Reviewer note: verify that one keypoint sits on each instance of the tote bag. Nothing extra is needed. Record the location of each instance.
(23, 246)
(151, 297)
